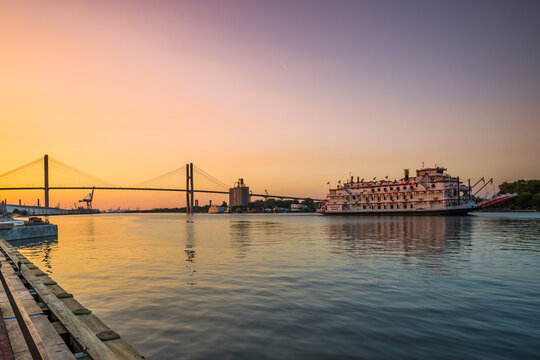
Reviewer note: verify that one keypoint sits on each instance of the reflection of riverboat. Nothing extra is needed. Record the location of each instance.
(430, 192)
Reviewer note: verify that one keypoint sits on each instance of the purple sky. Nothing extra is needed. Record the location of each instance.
(287, 94)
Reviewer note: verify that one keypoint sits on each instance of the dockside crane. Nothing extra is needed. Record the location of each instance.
(88, 199)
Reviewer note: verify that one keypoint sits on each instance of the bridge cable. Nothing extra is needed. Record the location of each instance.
(182, 168)
(211, 178)
(21, 167)
(69, 167)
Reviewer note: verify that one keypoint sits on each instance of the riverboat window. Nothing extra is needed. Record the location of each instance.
(432, 185)
(385, 189)
(397, 206)
(379, 206)
(379, 189)
(411, 206)
(411, 196)
(404, 206)
(412, 187)
(397, 188)
(385, 206)
(364, 207)
(391, 188)
(391, 206)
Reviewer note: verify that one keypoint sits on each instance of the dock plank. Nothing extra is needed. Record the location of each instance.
(81, 327)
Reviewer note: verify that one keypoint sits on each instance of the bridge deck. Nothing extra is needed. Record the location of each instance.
(149, 189)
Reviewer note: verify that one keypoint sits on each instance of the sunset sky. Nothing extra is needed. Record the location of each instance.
(286, 94)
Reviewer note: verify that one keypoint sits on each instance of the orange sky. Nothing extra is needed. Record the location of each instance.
(132, 90)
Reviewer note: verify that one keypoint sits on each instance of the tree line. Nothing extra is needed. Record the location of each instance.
(528, 195)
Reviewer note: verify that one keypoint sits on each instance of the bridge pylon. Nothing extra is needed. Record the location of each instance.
(192, 189)
(46, 180)
(190, 192)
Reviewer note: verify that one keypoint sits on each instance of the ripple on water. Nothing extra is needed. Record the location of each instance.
(274, 286)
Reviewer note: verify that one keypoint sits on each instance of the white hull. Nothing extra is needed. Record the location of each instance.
(449, 211)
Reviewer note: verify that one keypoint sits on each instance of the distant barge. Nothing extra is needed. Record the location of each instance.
(32, 228)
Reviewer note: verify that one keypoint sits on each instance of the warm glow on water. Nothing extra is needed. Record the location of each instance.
(285, 286)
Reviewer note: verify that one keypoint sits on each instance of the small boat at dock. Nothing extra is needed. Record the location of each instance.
(216, 209)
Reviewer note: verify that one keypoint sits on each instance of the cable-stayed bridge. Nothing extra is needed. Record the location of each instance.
(66, 177)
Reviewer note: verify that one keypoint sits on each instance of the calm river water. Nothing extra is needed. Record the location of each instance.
(306, 286)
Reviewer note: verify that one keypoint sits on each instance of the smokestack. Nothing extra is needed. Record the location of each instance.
(406, 174)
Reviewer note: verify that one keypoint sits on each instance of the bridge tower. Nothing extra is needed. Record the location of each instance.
(46, 187)
(189, 189)
(192, 189)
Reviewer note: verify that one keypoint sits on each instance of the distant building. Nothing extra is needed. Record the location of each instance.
(32, 210)
(239, 194)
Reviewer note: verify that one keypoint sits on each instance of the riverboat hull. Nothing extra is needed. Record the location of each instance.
(400, 213)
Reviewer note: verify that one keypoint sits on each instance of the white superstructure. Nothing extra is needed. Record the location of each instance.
(216, 209)
(430, 191)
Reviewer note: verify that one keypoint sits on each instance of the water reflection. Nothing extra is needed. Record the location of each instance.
(190, 252)
(240, 236)
(425, 242)
(44, 246)
(309, 287)
(88, 228)
(516, 234)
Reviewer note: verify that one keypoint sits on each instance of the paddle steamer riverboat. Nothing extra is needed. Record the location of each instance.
(432, 191)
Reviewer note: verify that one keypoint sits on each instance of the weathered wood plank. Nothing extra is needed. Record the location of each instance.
(78, 330)
(23, 320)
(16, 337)
(82, 328)
(58, 295)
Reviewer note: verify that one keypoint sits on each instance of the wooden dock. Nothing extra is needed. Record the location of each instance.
(40, 320)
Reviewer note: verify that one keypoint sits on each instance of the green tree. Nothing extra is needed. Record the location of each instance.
(528, 195)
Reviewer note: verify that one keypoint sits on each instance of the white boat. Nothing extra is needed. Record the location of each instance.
(431, 192)
(216, 209)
